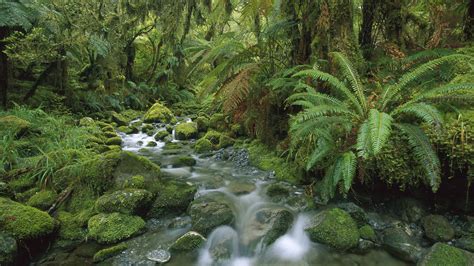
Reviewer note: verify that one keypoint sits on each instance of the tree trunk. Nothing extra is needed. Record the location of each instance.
(130, 52)
(3, 68)
(39, 80)
(365, 35)
(469, 23)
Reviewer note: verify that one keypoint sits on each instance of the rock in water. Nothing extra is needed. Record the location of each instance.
(441, 254)
(188, 242)
(398, 243)
(159, 255)
(207, 213)
(437, 228)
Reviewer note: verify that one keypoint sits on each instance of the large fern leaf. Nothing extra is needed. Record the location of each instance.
(348, 165)
(364, 143)
(425, 112)
(380, 127)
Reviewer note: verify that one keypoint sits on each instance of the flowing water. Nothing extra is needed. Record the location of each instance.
(227, 175)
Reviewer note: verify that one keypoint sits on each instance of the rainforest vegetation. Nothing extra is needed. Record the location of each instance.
(232, 132)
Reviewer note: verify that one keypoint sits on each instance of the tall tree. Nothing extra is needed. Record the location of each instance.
(469, 23)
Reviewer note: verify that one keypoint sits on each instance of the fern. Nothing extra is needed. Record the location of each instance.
(15, 14)
(348, 165)
(425, 112)
(364, 144)
(380, 128)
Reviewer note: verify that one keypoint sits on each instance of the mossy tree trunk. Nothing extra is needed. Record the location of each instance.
(365, 35)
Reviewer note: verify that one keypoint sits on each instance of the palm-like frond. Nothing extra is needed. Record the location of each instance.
(380, 127)
(15, 14)
(424, 153)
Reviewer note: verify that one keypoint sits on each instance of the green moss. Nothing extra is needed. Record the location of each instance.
(217, 121)
(158, 113)
(188, 242)
(136, 181)
(22, 184)
(108, 128)
(114, 227)
(277, 189)
(86, 122)
(203, 145)
(213, 136)
(172, 146)
(334, 228)
(186, 131)
(173, 197)
(119, 119)
(441, 255)
(43, 199)
(265, 159)
(152, 144)
(366, 232)
(109, 135)
(71, 228)
(131, 164)
(14, 125)
(225, 141)
(237, 130)
(437, 228)
(161, 135)
(106, 253)
(25, 196)
(186, 161)
(202, 123)
(114, 141)
(127, 201)
(24, 222)
(128, 129)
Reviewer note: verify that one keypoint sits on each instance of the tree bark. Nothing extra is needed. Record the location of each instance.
(365, 35)
(469, 23)
(130, 52)
(3, 68)
(39, 80)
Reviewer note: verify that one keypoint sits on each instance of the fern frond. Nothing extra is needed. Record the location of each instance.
(364, 143)
(352, 77)
(313, 98)
(324, 110)
(425, 112)
(424, 153)
(348, 165)
(445, 90)
(322, 149)
(380, 128)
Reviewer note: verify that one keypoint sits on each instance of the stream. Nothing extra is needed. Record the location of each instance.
(226, 174)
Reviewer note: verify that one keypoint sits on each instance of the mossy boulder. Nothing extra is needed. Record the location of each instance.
(158, 113)
(335, 228)
(277, 190)
(15, 125)
(398, 243)
(136, 181)
(367, 232)
(173, 197)
(118, 118)
(8, 249)
(217, 122)
(188, 242)
(213, 136)
(128, 129)
(152, 144)
(71, 227)
(356, 212)
(161, 135)
(114, 141)
(466, 242)
(441, 255)
(22, 184)
(437, 228)
(203, 145)
(24, 222)
(106, 253)
(185, 131)
(202, 123)
(237, 130)
(127, 201)
(109, 228)
(241, 187)
(86, 122)
(225, 141)
(43, 199)
(269, 224)
(208, 213)
(130, 164)
(185, 161)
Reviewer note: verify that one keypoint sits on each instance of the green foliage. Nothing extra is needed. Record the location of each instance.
(106, 253)
(114, 227)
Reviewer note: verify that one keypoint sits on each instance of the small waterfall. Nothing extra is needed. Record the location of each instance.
(222, 244)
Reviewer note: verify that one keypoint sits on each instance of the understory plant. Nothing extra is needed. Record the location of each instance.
(345, 123)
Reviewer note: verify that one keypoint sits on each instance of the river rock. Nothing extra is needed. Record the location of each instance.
(159, 255)
(110, 228)
(173, 197)
(356, 212)
(277, 190)
(269, 224)
(188, 242)
(8, 249)
(335, 228)
(441, 254)
(409, 209)
(437, 228)
(185, 131)
(241, 187)
(127, 201)
(398, 243)
(208, 213)
(129, 165)
(466, 242)
(158, 113)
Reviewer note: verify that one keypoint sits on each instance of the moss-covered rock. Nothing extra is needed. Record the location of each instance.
(5, 190)
(118, 118)
(186, 161)
(202, 123)
(437, 228)
(203, 145)
(114, 141)
(398, 243)
(277, 190)
(334, 228)
(217, 121)
(136, 181)
(108, 128)
(466, 242)
(356, 212)
(71, 226)
(22, 183)
(225, 141)
(185, 131)
(130, 164)
(24, 222)
(270, 224)
(109, 228)
(43, 199)
(86, 122)
(161, 135)
(14, 125)
(106, 253)
(367, 232)
(188, 242)
(213, 136)
(127, 201)
(158, 113)
(109, 135)
(241, 187)
(128, 129)
(237, 130)
(441, 255)
(8, 249)
(173, 197)
(152, 144)
(208, 213)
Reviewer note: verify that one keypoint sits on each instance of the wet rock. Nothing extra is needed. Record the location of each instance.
(409, 209)
(270, 224)
(106, 253)
(8, 249)
(398, 243)
(109, 228)
(128, 129)
(158, 113)
(365, 246)
(437, 228)
(173, 197)
(186, 131)
(335, 228)
(130, 164)
(367, 233)
(188, 242)
(180, 222)
(208, 213)
(278, 190)
(441, 254)
(159, 255)
(118, 118)
(127, 201)
(161, 135)
(356, 212)
(203, 145)
(152, 144)
(225, 141)
(241, 187)
(114, 141)
(5, 190)
(466, 242)
(185, 161)
(86, 122)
